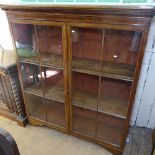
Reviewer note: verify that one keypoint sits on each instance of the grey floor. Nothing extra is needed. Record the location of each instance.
(46, 141)
(139, 142)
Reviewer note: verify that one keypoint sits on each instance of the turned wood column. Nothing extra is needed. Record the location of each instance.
(11, 99)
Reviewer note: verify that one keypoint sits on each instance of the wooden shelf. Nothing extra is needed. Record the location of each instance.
(107, 105)
(117, 69)
(51, 60)
(36, 62)
(29, 60)
(55, 93)
(85, 99)
(113, 106)
(107, 69)
(35, 90)
(52, 66)
(106, 75)
(86, 64)
(110, 106)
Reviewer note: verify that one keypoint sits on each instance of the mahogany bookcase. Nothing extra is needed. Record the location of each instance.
(79, 66)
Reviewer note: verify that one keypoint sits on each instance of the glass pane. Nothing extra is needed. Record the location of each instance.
(24, 35)
(50, 45)
(36, 106)
(55, 112)
(53, 83)
(31, 78)
(85, 90)
(84, 99)
(120, 52)
(110, 129)
(114, 97)
(86, 49)
(84, 121)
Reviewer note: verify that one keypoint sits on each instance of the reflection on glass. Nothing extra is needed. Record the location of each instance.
(114, 97)
(55, 112)
(36, 106)
(86, 49)
(24, 36)
(120, 52)
(53, 83)
(31, 78)
(50, 45)
(110, 129)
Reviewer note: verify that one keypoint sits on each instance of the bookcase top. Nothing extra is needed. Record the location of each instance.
(147, 10)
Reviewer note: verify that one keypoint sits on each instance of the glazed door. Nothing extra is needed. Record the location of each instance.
(41, 50)
(51, 46)
(102, 73)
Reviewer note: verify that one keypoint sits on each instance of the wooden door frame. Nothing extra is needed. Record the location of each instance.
(64, 46)
(144, 31)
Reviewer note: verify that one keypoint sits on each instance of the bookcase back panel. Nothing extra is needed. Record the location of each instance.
(121, 46)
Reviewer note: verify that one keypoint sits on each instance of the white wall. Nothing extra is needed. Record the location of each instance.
(144, 107)
(5, 37)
